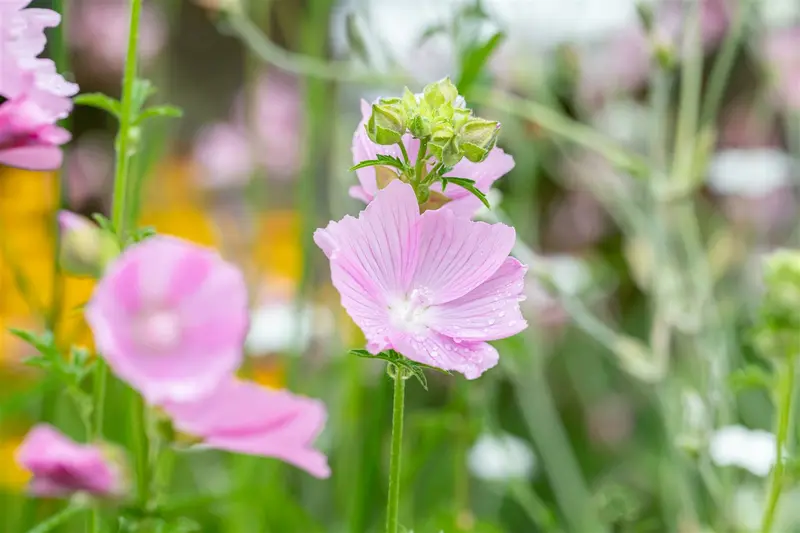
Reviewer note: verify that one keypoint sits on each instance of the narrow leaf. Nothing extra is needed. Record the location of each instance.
(387, 161)
(169, 111)
(99, 101)
(474, 60)
(468, 185)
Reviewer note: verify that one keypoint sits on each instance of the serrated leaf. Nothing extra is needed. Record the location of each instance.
(103, 222)
(24, 335)
(381, 161)
(99, 101)
(397, 359)
(468, 185)
(169, 111)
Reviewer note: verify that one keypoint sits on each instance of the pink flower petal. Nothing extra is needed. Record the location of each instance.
(244, 417)
(455, 257)
(469, 358)
(489, 312)
(32, 157)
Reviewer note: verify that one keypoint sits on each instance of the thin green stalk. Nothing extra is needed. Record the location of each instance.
(138, 428)
(566, 128)
(419, 167)
(58, 519)
(785, 397)
(549, 436)
(398, 405)
(126, 118)
(691, 85)
(301, 64)
(720, 72)
(402, 146)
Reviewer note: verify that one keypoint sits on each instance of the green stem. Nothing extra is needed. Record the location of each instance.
(393, 505)
(57, 519)
(405, 153)
(785, 396)
(420, 165)
(302, 64)
(126, 120)
(720, 72)
(138, 428)
(562, 126)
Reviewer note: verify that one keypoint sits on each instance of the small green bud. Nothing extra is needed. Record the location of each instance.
(387, 124)
(460, 117)
(420, 127)
(440, 93)
(477, 138)
(410, 102)
(85, 248)
(442, 144)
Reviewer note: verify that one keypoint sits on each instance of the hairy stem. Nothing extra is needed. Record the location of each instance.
(393, 504)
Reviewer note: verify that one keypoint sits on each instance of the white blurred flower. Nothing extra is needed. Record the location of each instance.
(750, 449)
(753, 172)
(279, 327)
(501, 457)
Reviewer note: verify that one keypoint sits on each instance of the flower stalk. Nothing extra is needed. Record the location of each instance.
(399, 375)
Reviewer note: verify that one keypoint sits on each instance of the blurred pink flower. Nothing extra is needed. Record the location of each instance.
(89, 166)
(36, 95)
(223, 152)
(243, 417)
(435, 287)
(108, 23)
(227, 154)
(780, 50)
(463, 202)
(623, 64)
(61, 467)
(170, 318)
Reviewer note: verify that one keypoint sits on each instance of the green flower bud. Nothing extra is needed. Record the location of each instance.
(85, 248)
(460, 117)
(442, 144)
(410, 103)
(420, 127)
(440, 93)
(477, 138)
(387, 124)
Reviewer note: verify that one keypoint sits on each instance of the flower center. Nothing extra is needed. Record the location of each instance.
(408, 313)
(159, 331)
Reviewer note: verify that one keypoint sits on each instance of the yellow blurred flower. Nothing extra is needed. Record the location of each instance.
(24, 192)
(183, 221)
(12, 476)
(278, 249)
(270, 373)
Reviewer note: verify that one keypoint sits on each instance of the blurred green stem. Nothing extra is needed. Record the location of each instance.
(720, 72)
(58, 519)
(302, 64)
(398, 405)
(550, 438)
(566, 128)
(785, 403)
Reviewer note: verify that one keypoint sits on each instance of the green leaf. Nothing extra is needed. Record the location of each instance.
(390, 356)
(750, 377)
(474, 60)
(383, 160)
(169, 111)
(104, 223)
(99, 101)
(469, 185)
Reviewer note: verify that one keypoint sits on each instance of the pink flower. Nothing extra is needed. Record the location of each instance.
(223, 152)
(61, 467)
(36, 95)
(434, 286)
(463, 202)
(170, 318)
(244, 417)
